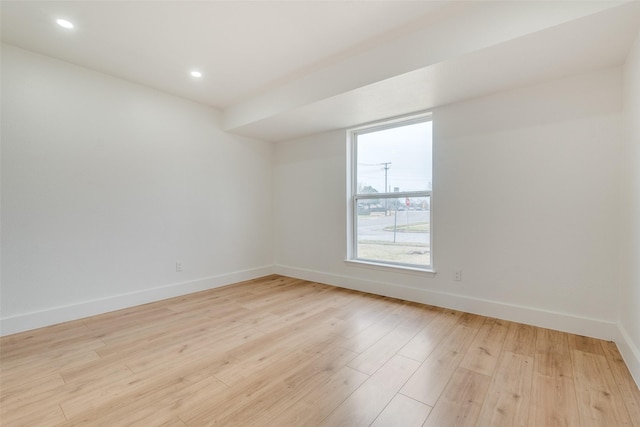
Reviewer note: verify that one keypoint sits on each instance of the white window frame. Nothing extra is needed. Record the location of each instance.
(354, 197)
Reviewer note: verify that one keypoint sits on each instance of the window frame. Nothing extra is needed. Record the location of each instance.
(353, 197)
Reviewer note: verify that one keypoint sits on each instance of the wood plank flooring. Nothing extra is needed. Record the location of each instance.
(278, 351)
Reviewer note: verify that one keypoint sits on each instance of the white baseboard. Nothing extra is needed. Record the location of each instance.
(28, 321)
(630, 353)
(595, 328)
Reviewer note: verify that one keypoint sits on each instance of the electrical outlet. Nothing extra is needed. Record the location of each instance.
(457, 275)
(178, 266)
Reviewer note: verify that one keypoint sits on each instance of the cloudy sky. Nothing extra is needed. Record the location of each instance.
(408, 148)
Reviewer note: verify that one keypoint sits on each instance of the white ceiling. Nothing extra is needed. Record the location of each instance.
(241, 47)
(281, 69)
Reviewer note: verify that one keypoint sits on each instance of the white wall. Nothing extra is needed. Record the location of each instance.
(526, 203)
(105, 184)
(629, 340)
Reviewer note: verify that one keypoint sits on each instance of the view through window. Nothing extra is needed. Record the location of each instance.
(391, 174)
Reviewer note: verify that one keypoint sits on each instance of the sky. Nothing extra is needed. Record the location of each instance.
(408, 148)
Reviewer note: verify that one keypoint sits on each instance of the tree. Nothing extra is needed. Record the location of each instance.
(366, 189)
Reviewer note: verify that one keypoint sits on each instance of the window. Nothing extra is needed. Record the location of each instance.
(390, 193)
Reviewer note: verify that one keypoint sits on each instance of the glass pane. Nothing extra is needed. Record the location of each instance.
(401, 236)
(396, 159)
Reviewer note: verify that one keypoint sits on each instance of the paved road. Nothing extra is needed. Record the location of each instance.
(371, 227)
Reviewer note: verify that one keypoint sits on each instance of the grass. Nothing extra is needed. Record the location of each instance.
(406, 253)
(419, 227)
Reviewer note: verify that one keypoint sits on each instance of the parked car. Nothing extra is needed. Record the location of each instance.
(363, 209)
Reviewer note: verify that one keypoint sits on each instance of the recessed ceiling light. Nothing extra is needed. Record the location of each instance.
(64, 23)
(195, 73)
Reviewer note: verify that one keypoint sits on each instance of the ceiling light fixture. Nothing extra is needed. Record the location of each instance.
(195, 73)
(64, 23)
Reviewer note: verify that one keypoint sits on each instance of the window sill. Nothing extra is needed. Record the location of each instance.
(392, 268)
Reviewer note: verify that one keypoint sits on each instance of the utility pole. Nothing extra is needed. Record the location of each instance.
(386, 166)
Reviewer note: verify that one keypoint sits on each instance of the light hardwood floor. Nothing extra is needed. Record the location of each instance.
(278, 351)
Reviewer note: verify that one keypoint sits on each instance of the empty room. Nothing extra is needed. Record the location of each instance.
(320, 213)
